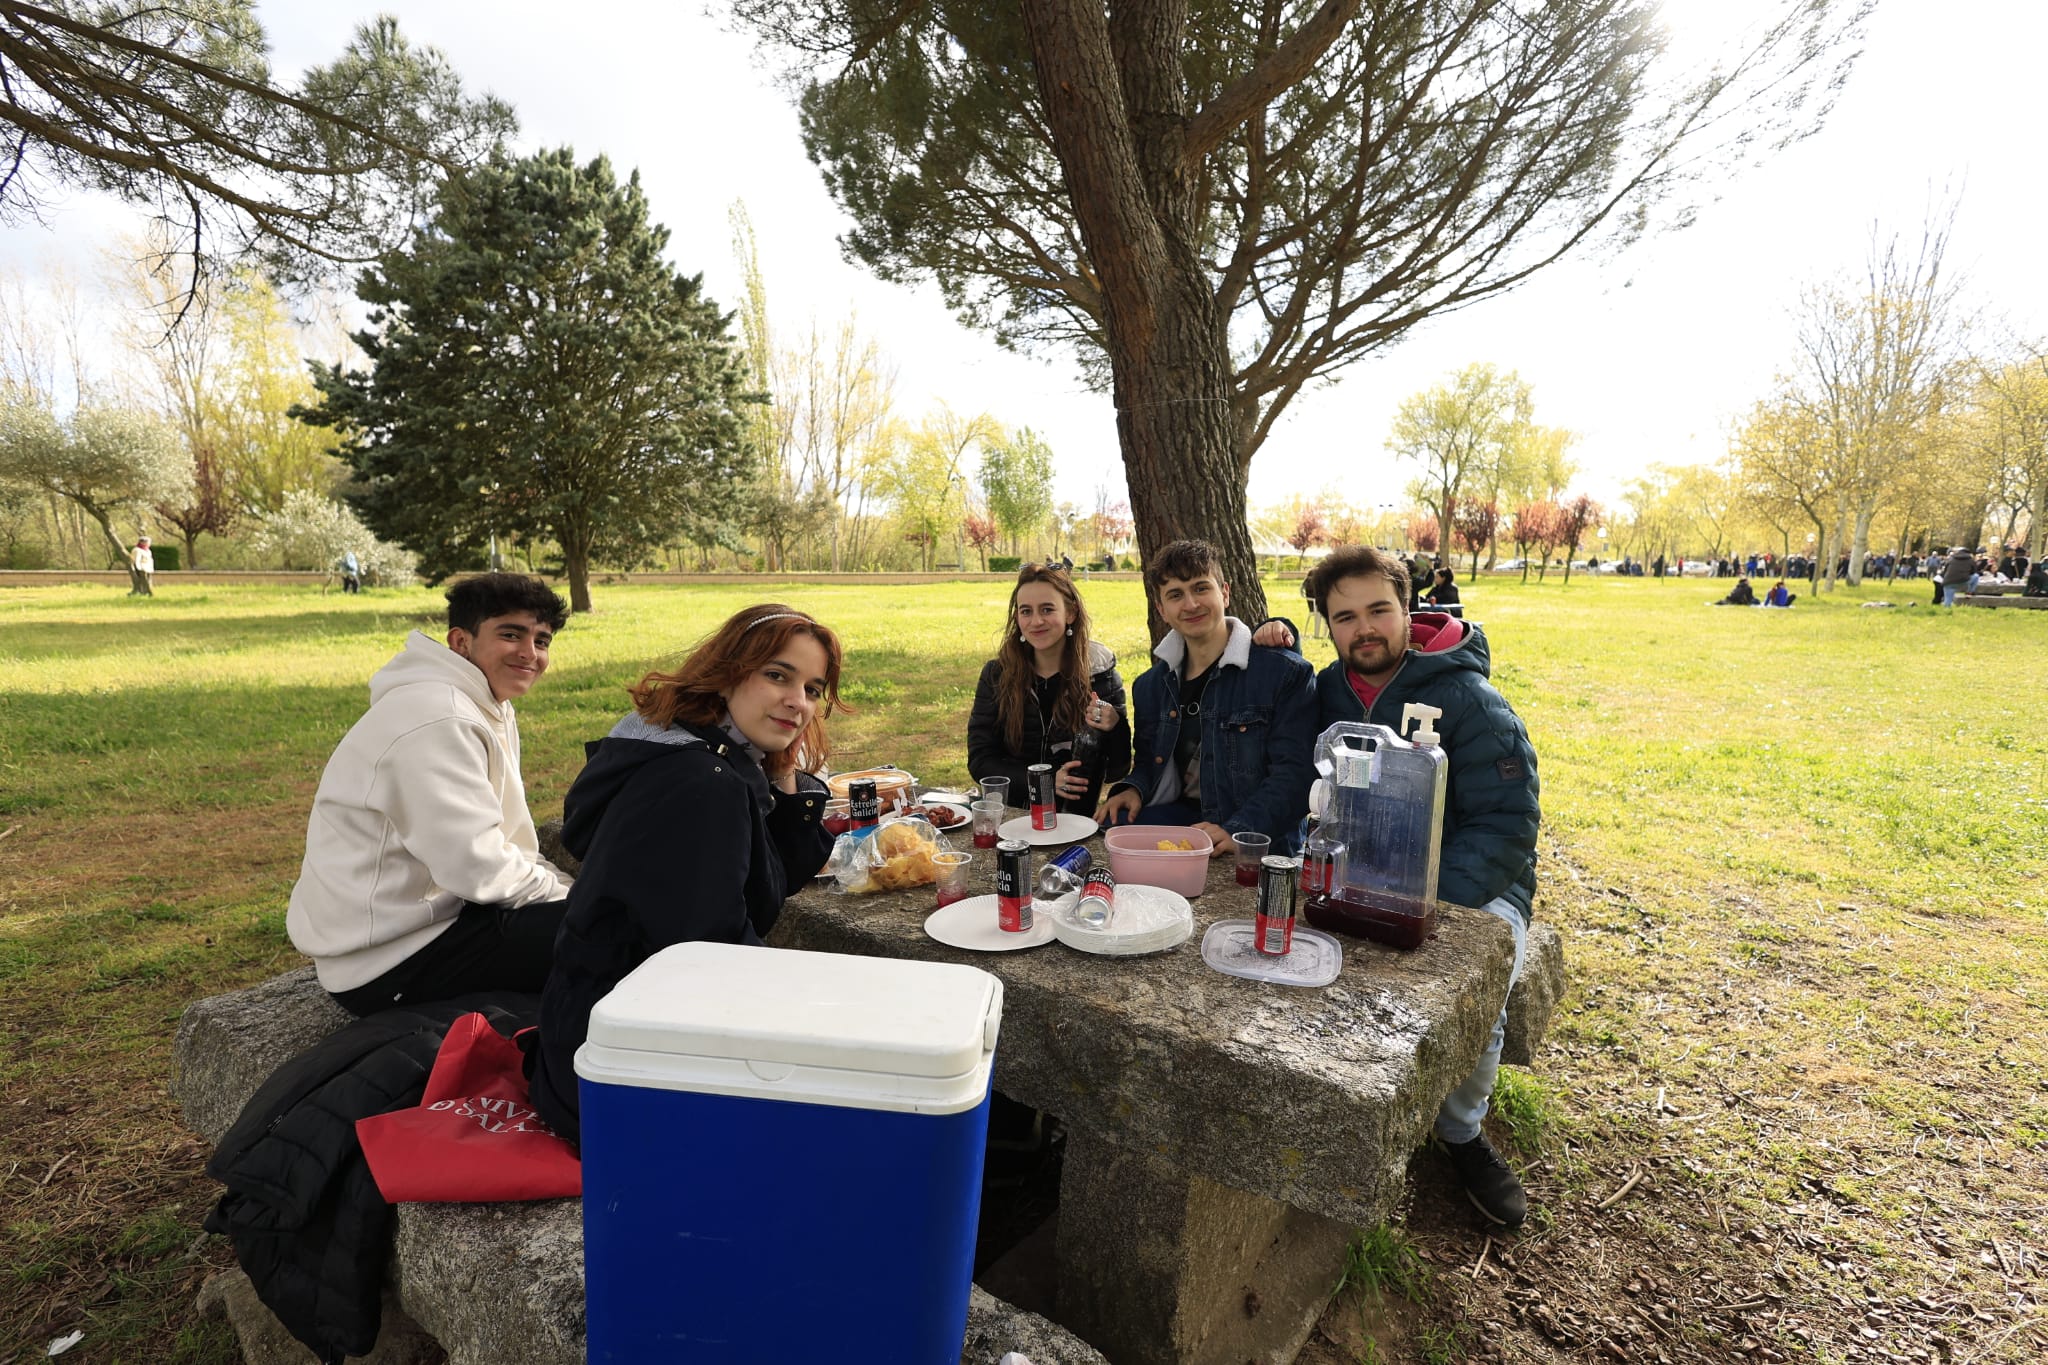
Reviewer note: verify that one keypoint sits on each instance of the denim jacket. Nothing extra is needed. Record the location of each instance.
(1258, 730)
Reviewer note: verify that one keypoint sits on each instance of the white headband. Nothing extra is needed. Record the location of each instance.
(778, 616)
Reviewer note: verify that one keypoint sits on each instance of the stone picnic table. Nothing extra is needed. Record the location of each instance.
(1224, 1136)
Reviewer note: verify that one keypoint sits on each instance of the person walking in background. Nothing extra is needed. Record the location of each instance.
(351, 572)
(143, 561)
(1956, 573)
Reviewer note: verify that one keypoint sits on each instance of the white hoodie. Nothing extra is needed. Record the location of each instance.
(420, 809)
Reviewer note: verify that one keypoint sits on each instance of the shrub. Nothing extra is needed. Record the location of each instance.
(166, 557)
(1005, 563)
(312, 532)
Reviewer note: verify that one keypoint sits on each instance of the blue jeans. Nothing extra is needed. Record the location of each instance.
(1948, 593)
(1464, 1108)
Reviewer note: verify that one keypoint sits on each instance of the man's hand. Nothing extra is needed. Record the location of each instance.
(1119, 809)
(1273, 633)
(1219, 836)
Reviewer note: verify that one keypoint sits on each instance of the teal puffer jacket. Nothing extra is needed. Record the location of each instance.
(1491, 806)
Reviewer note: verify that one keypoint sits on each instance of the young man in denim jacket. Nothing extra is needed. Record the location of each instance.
(1223, 732)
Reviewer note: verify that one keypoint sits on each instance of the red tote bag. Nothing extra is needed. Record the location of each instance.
(474, 1137)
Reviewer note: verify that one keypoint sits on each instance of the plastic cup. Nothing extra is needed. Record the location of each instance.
(988, 817)
(1250, 848)
(952, 882)
(996, 789)
(838, 817)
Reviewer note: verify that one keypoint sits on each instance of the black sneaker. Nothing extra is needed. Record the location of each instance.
(1489, 1184)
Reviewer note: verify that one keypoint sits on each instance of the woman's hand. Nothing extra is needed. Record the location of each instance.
(1100, 715)
(1069, 783)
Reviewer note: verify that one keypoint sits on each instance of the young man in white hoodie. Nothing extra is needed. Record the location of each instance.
(423, 879)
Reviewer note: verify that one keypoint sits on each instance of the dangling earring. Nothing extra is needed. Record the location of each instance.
(1070, 632)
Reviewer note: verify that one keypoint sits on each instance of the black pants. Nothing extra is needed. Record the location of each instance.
(488, 948)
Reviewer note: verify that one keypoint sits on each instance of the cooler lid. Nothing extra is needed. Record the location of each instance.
(779, 1005)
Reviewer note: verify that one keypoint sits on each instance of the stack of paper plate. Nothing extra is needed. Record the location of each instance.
(1148, 919)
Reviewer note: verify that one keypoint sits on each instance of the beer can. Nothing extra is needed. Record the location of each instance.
(1045, 810)
(1098, 899)
(863, 806)
(1013, 886)
(1273, 934)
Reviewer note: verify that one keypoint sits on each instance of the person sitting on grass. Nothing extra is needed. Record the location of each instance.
(1224, 731)
(423, 879)
(1048, 681)
(695, 818)
(1741, 595)
(1778, 596)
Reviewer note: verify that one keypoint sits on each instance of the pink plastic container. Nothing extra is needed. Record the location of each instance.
(1135, 856)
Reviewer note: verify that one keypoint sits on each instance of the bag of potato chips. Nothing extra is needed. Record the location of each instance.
(892, 856)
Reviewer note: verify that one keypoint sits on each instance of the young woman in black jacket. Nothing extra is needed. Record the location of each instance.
(1048, 681)
(695, 818)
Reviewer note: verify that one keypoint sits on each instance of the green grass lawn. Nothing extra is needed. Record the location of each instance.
(1800, 860)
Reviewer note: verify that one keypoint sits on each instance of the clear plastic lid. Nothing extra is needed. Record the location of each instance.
(1314, 959)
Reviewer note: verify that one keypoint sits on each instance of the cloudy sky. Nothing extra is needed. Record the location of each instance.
(1646, 354)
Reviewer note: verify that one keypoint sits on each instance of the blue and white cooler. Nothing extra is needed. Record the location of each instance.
(782, 1157)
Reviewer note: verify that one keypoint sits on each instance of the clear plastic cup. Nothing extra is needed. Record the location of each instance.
(952, 882)
(1250, 848)
(996, 789)
(988, 818)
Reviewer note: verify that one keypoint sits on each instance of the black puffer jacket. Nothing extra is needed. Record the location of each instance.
(989, 754)
(683, 840)
(308, 1225)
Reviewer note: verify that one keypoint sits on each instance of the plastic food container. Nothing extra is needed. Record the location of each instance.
(892, 785)
(1135, 856)
(764, 1127)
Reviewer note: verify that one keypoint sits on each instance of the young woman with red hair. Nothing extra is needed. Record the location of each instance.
(695, 818)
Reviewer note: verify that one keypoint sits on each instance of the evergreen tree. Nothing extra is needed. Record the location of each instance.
(539, 370)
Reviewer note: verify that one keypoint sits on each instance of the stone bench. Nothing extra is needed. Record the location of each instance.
(2007, 598)
(489, 1284)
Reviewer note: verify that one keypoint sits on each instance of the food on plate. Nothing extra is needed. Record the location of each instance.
(943, 817)
(1176, 846)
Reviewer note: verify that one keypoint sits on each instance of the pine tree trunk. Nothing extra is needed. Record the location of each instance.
(1118, 119)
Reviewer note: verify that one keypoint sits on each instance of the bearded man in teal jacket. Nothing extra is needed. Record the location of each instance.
(1388, 657)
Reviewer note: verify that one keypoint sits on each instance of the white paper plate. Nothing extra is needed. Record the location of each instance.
(1148, 919)
(1069, 829)
(1313, 959)
(971, 924)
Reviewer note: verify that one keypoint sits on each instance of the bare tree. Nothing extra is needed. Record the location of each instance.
(1878, 360)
